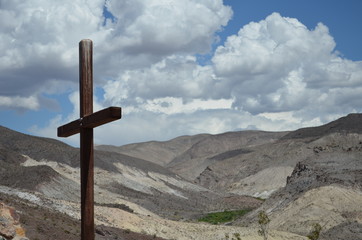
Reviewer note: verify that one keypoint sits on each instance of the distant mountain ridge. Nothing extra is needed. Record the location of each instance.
(311, 173)
(161, 153)
(38, 147)
(348, 124)
(188, 156)
(51, 167)
(286, 168)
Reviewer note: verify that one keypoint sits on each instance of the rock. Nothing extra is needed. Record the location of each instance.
(10, 227)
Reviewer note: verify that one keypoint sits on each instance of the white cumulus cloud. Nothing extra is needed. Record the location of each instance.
(39, 39)
(275, 74)
(279, 65)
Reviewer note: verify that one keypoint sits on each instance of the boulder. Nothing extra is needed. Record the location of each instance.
(10, 228)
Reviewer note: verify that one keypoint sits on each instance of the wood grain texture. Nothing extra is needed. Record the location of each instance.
(91, 121)
(84, 125)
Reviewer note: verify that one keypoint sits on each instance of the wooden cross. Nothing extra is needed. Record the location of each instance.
(84, 125)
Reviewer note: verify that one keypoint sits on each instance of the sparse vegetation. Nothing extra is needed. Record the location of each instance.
(314, 233)
(222, 217)
(313, 174)
(116, 205)
(235, 236)
(261, 199)
(263, 221)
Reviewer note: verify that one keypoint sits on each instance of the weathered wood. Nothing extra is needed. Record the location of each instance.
(84, 125)
(94, 120)
(86, 139)
(69, 129)
(86, 77)
(87, 183)
(101, 117)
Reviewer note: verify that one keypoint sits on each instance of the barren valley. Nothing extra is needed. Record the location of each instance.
(159, 190)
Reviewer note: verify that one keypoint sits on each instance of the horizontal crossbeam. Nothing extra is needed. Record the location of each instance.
(91, 121)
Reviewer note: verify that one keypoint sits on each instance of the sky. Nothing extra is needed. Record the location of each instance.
(181, 67)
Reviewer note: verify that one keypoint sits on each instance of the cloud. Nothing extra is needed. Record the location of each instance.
(275, 65)
(38, 45)
(138, 125)
(279, 65)
(275, 70)
(39, 39)
(167, 27)
(275, 74)
(19, 102)
(143, 33)
(174, 76)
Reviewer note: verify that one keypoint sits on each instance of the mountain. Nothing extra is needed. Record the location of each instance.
(52, 168)
(307, 176)
(324, 187)
(188, 156)
(161, 153)
(347, 124)
(294, 170)
(46, 173)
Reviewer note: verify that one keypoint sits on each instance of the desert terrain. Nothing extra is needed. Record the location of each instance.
(160, 190)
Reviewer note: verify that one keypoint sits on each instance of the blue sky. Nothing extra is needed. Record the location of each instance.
(341, 17)
(181, 67)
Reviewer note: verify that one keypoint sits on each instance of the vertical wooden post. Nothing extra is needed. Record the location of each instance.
(88, 120)
(86, 139)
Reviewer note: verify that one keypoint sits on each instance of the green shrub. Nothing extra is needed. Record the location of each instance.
(263, 221)
(222, 217)
(314, 234)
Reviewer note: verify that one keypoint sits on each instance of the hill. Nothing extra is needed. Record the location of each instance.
(287, 169)
(347, 124)
(46, 173)
(188, 156)
(311, 175)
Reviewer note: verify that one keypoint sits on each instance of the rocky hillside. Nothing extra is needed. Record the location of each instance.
(311, 175)
(325, 185)
(161, 153)
(287, 169)
(136, 180)
(188, 156)
(122, 183)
